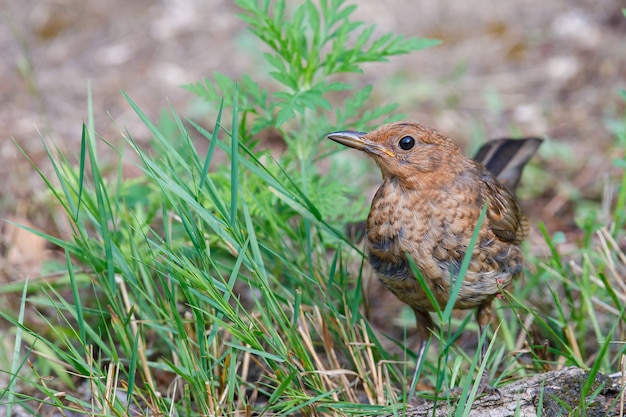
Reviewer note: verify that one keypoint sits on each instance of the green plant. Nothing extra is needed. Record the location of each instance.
(216, 277)
(309, 45)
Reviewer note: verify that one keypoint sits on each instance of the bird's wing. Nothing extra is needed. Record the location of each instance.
(504, 214)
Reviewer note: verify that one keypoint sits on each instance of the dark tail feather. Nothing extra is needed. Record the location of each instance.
(506, 158)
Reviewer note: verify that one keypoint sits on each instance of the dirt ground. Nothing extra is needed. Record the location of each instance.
(543, 68)
(547, 68)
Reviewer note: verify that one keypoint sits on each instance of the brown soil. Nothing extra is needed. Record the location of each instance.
(533, 67)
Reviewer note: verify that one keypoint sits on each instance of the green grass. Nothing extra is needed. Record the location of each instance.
(218, 282)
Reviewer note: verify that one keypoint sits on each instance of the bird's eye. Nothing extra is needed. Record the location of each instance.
(407, 143)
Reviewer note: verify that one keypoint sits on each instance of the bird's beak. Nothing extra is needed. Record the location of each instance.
(359, 141)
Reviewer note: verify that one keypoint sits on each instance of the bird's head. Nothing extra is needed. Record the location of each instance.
(408, 152)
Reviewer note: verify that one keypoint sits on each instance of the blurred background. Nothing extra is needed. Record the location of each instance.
(530, 67)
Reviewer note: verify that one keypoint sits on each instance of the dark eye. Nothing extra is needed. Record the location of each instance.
(407, 143)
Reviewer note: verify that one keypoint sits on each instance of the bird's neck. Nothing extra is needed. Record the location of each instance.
(418, 181)
(410, 175)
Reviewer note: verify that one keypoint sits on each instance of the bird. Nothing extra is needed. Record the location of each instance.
(428, 207)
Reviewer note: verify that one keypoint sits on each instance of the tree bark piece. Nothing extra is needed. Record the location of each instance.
(561, 397)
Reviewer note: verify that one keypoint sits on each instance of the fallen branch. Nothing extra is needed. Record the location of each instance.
(556, 393)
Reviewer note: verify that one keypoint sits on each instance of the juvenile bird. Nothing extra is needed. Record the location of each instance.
(428, 207)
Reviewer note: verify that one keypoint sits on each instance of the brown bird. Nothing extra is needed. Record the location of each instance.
(428, 208)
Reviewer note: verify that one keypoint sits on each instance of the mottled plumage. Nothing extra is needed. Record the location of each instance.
(428, 207)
